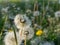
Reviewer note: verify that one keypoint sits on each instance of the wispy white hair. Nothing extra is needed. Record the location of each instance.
(28, 29)
(10, 38)
(21, 16)
(57, 14)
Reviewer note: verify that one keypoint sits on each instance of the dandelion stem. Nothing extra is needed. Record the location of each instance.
(25, 39)
(15, 35)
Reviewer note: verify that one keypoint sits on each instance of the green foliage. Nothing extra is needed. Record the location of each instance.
(2, 20)
(51, 35)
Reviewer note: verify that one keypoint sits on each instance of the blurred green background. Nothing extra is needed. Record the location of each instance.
(9, 8)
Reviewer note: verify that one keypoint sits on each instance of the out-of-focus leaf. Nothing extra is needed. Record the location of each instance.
(2, 20)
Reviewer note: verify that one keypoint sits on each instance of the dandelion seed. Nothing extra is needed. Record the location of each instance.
(36, 13)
